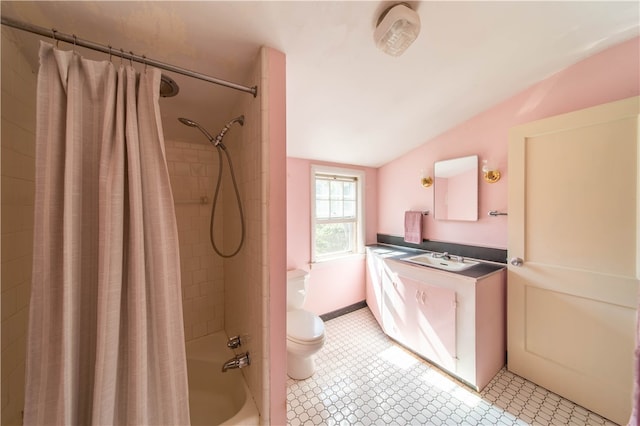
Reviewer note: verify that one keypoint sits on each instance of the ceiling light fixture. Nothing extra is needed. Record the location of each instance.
(397, 28)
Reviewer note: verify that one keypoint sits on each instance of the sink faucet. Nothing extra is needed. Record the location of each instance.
(447, 256)
(238, 361)
(444, 255)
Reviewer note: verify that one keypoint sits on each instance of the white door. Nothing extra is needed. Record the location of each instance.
(573, 244)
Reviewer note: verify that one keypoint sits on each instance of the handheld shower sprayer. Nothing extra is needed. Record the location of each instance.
(217, 142)
(225, 129)
(191, 123)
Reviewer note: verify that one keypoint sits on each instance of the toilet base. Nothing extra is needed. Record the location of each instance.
(300, 368)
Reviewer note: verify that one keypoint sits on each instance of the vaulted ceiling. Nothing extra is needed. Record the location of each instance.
(347, 101)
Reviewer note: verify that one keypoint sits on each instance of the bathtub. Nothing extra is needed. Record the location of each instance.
(217, 398)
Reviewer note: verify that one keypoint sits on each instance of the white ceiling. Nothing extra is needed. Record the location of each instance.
(347, 102)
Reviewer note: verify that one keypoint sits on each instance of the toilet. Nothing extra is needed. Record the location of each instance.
(305, 330)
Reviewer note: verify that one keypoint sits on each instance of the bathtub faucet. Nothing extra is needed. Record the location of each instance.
(234, 342)
(238, 361)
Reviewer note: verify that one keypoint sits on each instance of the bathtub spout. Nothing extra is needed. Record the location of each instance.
(238, 361)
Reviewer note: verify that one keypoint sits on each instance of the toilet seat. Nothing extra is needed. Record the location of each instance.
(304, 327)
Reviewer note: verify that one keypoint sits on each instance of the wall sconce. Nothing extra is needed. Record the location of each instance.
(426, 180)
(490, 171)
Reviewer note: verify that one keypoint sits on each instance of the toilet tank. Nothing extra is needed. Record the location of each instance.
(296, 288)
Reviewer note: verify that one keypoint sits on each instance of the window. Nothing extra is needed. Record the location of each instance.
(337, 222)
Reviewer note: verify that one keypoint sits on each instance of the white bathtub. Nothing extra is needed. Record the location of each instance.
(217, 398)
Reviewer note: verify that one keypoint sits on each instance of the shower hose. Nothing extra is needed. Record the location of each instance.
(215, 202)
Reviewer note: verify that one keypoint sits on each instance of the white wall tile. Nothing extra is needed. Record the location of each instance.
(202, 275)
(18, 174)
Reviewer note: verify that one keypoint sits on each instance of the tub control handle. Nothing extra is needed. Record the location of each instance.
(234, 342)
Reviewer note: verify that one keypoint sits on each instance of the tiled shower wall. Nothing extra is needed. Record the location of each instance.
(250, 289)
(18, 176)
(230, 294)
(192, 169)
(244, 273)
(241, 283)
(225, 294)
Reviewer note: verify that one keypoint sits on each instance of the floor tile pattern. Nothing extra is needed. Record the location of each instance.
(364, 378)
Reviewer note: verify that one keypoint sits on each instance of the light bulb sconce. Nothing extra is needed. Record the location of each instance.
(426, 181)
(490, 172)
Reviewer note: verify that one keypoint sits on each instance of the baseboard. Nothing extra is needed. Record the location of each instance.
(342, 311)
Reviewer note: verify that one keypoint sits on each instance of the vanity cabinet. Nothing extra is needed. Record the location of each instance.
(453, 320)
(422, 317)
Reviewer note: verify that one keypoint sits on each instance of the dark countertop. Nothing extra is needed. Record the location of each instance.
(399, 253)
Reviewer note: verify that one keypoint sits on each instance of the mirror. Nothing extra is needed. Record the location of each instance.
(456, 189)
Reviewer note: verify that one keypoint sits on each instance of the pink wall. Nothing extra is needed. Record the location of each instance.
(332, 284)
(607, 76)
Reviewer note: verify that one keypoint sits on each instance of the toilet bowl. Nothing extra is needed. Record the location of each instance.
(305, 330)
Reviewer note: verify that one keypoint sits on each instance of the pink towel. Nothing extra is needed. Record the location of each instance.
(413, 227)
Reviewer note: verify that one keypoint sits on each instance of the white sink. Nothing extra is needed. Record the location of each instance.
(453, 265)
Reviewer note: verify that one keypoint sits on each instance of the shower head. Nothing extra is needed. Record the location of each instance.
(168, 86)
(188, 122)
(225, 129)
(217, 141)
(239, 119)
(191, 123)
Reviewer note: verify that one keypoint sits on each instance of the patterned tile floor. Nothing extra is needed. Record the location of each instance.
(364, 378)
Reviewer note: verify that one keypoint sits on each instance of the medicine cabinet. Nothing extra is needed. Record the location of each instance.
(456, 189)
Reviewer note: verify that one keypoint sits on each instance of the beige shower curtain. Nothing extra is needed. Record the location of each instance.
(105, 343)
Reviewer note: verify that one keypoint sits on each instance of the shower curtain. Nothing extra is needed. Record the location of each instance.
(105, 342)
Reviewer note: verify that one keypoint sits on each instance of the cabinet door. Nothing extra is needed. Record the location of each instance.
(433, 332)
(374, 286)
(396, 316)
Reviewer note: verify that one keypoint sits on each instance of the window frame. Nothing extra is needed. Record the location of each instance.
(359, 176)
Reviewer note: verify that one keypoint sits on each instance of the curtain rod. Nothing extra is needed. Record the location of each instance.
(72, 39)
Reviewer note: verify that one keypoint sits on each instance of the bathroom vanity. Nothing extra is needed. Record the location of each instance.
(455, 320)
